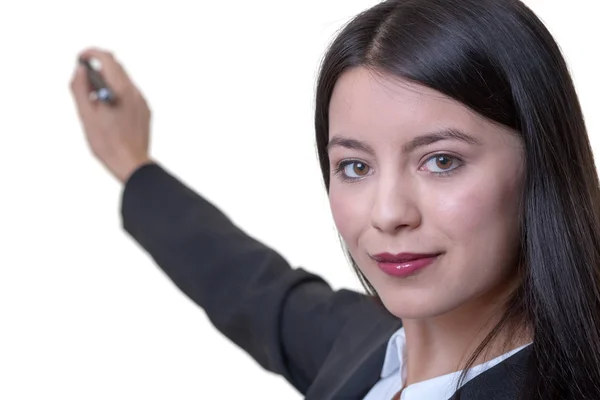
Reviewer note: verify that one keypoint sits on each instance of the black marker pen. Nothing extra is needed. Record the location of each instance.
(101, 89)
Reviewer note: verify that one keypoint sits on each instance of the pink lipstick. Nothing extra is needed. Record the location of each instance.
(403, 264)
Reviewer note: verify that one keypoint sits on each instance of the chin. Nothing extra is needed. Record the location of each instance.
(416, 305)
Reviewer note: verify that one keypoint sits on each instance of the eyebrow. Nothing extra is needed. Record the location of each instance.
(419, 141)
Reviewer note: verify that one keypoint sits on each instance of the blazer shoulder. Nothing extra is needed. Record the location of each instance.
(504, 381)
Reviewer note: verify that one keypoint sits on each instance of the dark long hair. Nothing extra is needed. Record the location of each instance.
(497, 58)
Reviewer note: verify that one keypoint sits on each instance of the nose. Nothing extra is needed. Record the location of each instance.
(395, 207)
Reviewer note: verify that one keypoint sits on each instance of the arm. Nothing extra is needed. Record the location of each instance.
(286, 319)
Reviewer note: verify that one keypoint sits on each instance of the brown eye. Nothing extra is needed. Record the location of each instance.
(360, 169)
(354, 169)
(443, 162)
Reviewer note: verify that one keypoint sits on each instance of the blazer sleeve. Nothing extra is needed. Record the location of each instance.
(287, 319)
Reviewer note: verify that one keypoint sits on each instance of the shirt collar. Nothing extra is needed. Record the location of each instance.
(395, 354)
(439, 387)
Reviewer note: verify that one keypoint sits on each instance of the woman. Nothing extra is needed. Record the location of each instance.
(462, 183)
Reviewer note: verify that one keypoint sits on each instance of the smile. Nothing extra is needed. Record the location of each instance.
(404, 264)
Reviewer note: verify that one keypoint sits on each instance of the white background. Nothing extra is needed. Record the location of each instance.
(84, 312)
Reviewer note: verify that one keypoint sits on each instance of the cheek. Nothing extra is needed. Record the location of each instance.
(482, 220)
(350, 213)
(476, 207)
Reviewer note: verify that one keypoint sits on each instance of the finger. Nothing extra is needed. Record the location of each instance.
(81, 92)
(111, 70)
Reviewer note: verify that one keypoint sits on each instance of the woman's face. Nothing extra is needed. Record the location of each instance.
(419, 176)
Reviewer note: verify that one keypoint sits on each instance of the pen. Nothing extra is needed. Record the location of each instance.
(101, 89)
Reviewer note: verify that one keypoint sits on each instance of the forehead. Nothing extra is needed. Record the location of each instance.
(365, 102)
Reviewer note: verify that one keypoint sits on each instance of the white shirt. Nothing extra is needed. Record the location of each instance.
(438, 388)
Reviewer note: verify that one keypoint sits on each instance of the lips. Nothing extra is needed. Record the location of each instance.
(403, 265)
(401, 257)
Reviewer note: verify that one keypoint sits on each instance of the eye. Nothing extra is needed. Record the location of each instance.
(353, 169)
(442, 164)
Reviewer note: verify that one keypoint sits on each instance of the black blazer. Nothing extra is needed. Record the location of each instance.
(327, 344)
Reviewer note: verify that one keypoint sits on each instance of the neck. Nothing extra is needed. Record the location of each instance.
(443, 344)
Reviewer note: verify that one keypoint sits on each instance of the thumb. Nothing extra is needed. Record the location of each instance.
(81, 92)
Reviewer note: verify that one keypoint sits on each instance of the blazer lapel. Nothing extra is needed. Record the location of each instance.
(355, 362)
(354, 365)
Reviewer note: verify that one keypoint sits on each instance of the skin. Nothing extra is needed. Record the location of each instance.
(119, 137)
(386, 198)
